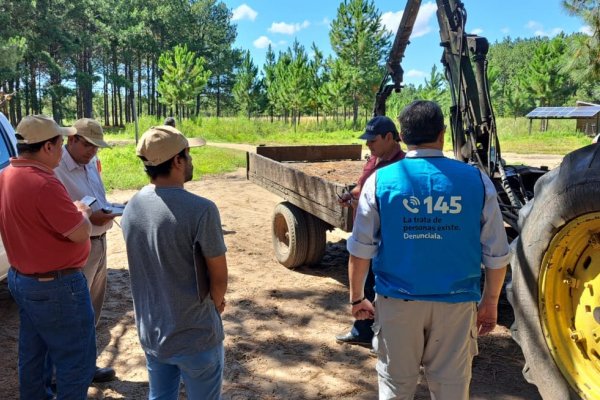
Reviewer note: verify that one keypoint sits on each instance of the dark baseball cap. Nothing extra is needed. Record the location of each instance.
(379, 126)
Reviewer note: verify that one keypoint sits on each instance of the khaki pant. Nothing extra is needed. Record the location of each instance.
(442, 337)
(95, 273)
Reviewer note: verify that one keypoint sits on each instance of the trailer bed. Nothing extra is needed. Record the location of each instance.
(310, 177)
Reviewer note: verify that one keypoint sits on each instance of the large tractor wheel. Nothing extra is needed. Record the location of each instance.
(317, 239)
(555, 291)
(289, 233)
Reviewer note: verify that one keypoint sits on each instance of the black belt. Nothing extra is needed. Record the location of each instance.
(98, 237)
(51, 275)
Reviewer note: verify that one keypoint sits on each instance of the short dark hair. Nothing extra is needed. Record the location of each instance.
(170, 121)
(421, 122)
(163, 169)
(34, 147)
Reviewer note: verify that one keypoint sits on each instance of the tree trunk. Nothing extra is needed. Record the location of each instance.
(18, 100)
(55, 99)
(115, 89)
(126, 75)
(105, 91)
(11, 104)
(120, 107)
(218, 96)
(33, 89)
(26, 92)
(154, 93)
(355, 111)
(139, 86)
(148, 80)
(87, 87)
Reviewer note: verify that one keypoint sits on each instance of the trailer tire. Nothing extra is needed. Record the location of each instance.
(317, 239)
(289, 234)
(555, 269)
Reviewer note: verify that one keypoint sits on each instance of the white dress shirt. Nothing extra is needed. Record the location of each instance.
(81, 181)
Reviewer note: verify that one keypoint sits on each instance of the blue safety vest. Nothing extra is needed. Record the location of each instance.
(430, 249)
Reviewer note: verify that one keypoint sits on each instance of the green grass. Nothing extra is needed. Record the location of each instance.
(561, 137)
(121, 169)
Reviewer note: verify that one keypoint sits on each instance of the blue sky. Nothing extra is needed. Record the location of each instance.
(260, 22)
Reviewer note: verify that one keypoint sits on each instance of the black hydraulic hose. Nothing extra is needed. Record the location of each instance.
(462, 29)
(514, 201)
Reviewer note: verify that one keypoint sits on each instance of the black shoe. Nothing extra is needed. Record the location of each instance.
(104, 375)
(349, 338)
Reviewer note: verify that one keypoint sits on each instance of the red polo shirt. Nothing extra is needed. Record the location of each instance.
(36, 215)
(374, 163)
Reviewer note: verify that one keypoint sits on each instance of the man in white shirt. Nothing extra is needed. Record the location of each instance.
(78, 171)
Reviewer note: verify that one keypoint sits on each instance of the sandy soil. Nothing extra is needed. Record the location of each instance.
(280, 323)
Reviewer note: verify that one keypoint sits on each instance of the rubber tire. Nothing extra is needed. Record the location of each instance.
(289, 235)
(567, 192)
(317, 239)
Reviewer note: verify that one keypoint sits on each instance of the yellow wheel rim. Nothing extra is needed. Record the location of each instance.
(569, 302)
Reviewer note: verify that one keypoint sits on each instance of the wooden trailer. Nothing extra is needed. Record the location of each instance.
(310, 179)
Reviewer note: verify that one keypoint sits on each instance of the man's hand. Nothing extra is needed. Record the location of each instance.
(100, 218)
(347, 200)
(363, 310)
(221, 306)
(487, 316)
(82, 208)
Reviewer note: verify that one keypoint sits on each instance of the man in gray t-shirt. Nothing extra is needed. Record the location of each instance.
(178, 271)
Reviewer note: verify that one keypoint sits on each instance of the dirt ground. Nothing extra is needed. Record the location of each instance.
(279, 323)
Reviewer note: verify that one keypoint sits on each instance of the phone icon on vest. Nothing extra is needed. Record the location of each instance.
(411, 204)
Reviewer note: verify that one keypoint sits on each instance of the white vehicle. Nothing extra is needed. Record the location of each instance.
(8, 149)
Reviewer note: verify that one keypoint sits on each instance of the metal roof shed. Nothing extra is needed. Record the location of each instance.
(589, 113)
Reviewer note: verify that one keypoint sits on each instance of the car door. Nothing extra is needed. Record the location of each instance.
(8, 149)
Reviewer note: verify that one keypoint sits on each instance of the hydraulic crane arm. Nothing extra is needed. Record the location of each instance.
(464, 60)
(464, 57)
(392, 81)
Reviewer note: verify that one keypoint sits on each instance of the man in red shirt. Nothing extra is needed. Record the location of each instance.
(383, 140)
(46, 237)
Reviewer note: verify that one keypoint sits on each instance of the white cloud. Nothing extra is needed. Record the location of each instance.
(282, 43)
(534, 26)
(415, 73)
(287, 29)
(325, 21)
(477, 31)
(391, 20)
(262, 42)
(538, 29)
(586, 29)
(243, 12)
(505, 30)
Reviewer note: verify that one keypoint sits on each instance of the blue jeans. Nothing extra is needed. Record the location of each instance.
(202, 375)
(57, 321)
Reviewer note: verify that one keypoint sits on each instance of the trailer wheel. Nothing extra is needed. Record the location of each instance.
(289, 233)
(555, 288)
(317, 239)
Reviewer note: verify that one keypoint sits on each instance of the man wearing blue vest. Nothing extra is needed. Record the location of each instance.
(429, 223)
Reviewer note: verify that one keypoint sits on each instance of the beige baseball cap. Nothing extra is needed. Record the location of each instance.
(91, 131)
(161, 143)
(37, 128)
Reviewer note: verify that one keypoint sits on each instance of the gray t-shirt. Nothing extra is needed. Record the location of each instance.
(161, 226)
